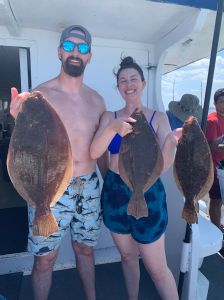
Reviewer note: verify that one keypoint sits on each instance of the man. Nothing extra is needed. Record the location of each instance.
(80, 109)
(215, 137)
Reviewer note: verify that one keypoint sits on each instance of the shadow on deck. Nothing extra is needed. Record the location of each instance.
(109, 283)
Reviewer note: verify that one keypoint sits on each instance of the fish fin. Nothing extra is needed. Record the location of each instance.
(196, 205)
(137, 206)
(45, 225)
(189, 213)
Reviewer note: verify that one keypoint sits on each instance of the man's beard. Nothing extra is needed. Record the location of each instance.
(73, 70)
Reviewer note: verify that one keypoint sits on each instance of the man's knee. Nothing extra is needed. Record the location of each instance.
(45, 262)
(81, 249)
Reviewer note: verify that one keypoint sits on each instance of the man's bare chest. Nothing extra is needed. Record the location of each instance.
(77, 117)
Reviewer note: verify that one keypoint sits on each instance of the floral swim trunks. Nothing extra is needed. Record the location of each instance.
(79, 208)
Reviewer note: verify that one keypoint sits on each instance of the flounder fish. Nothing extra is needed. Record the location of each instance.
(193, 168)
(40, 160)
(140, 163)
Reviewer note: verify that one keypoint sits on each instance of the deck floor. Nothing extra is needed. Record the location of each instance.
(109, 283)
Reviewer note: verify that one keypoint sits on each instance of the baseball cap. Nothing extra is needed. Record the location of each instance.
(84, 33)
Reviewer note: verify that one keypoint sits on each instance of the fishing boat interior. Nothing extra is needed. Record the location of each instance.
(162, 36)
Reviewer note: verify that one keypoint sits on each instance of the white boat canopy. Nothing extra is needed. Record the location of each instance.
(149, 22)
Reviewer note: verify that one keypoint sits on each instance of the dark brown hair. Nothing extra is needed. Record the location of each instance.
(218, 93)
(129, 63)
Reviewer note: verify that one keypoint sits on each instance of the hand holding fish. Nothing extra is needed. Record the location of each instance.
(220, 139)
(219, 142)
(177, 134)
(140, 163)
(217, 145)
(123, 127)
(17, 101)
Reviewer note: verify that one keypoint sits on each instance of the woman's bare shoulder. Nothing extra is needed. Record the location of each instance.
(108, 115)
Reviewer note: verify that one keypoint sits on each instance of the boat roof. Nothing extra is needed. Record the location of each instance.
(140, 21)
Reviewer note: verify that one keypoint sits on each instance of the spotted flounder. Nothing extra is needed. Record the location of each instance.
(193, 168)
(40, 160)
(140, 163)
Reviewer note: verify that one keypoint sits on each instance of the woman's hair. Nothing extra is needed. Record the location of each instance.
(129, 63)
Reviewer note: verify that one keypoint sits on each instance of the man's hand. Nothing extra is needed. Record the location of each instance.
(220, 140)
(17, 101)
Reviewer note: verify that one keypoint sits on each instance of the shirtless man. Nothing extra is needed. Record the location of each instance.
(80, 109)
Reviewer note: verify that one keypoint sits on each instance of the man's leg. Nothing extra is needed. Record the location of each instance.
(215, 211)
(85, 266)
(37, 245)
(85, 230)
(42, 275)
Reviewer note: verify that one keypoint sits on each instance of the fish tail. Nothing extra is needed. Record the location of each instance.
(137, 206)
(45, 225)
(189, 213)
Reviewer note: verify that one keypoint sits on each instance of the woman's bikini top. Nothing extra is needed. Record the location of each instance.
(114, 146)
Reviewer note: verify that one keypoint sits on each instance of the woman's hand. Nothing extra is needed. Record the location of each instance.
(122, 127)
(177, 134)
(17, 101)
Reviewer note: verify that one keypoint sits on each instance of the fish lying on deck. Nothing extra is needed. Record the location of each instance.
(140, 163)
(193, 168)
(40, 160)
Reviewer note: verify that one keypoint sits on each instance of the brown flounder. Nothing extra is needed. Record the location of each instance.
(40, 160)
(140, 163)
(193, 168)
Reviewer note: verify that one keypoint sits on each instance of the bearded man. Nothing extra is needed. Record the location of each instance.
(80, 109)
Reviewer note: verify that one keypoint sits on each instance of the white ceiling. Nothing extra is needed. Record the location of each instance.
(134, 20)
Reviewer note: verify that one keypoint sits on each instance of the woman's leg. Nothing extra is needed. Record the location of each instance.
(154, 259)
(130, 263)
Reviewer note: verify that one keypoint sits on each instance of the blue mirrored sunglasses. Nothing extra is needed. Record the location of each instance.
(69, 46)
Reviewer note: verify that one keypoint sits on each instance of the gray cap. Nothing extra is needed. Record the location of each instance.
(84, 34)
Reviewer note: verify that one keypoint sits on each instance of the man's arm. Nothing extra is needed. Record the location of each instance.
(215, 142)
(217, 145)
(103, 163)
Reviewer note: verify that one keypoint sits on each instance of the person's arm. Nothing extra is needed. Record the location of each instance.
(103, 163)
(106, 131)
(168, 140)
(215, 142)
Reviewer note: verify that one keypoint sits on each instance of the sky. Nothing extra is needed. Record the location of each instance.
(192, 80)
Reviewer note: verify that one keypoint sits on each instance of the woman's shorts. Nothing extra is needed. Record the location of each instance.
(84, 226)
(115, 197)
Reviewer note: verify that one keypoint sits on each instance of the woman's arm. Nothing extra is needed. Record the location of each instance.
(102, 137)
(168, 140)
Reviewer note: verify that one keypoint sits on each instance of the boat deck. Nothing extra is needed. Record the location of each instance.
(109, 283)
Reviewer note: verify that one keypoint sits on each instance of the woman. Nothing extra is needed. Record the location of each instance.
(144, 236)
